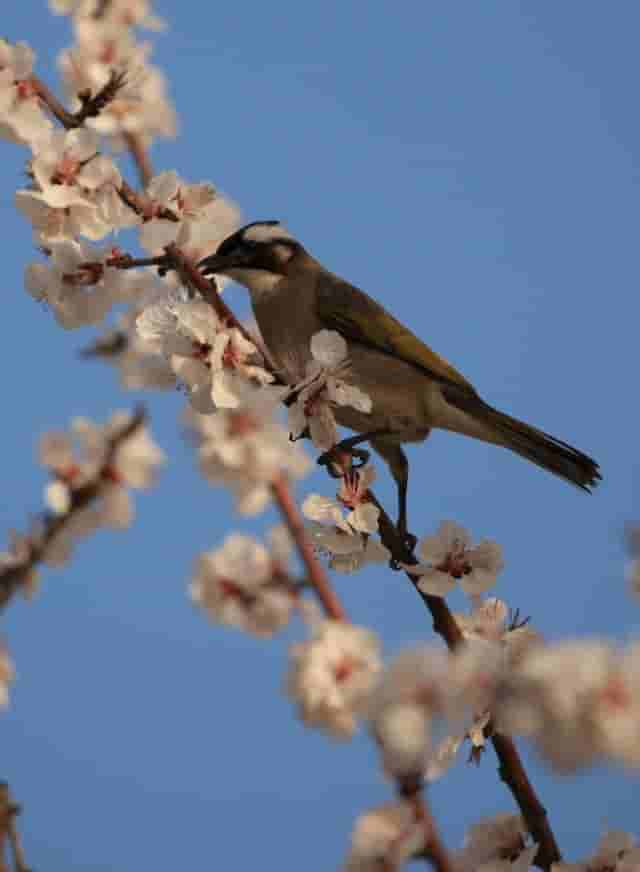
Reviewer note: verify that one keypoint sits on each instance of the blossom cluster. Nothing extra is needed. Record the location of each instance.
(105, 40)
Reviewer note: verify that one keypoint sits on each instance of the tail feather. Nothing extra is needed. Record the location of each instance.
(540, 448)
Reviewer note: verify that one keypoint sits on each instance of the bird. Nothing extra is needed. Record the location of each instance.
(412, 388)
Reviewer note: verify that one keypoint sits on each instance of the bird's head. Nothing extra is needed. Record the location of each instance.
(257, 256)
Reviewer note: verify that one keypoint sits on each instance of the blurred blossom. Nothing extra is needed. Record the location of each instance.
(616, 852)
(578, 701)
(332, 674)
(385, 837)
(410, 696)
(246, 448)
(245, 585)
(499, 838)
(447, 557)
(322, 388)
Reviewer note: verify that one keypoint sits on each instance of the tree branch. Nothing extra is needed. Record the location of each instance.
(317, 577)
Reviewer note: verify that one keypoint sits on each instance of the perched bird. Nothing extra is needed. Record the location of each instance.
(412, 388)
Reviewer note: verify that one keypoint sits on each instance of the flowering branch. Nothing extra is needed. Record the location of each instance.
(30, 550)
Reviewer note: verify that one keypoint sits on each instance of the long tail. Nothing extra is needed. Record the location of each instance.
(540, 448)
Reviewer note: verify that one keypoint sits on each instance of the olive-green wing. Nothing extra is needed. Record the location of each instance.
(345, 308)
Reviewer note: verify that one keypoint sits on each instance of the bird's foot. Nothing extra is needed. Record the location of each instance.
(334, 458)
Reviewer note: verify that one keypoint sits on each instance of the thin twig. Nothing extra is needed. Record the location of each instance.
(316, 574)
(92, 104)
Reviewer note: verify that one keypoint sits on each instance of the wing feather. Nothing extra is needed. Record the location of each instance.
(354, 314)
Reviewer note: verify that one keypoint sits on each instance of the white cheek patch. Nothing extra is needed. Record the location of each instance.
(259, 282)
(282, 253)
(266, 233)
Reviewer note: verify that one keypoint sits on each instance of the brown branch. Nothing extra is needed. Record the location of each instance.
(316, 574)
(9, 832)
(140, 157)
(12, 577)
(513, 773)
(92, 105)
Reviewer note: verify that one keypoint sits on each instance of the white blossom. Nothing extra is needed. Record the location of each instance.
(78, 284)
(325, 385)
(332, 674)
(205, 217)
(213, 360)
(385, 837)
(447, 557)
(22, 119)
(243, 585)
(347, 538)
(75, 190)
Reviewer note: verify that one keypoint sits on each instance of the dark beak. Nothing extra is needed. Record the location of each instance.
(219, 263)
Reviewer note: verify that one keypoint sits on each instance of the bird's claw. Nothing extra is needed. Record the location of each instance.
(334, 457)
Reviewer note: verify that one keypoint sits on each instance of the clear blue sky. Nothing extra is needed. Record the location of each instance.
(470, 164)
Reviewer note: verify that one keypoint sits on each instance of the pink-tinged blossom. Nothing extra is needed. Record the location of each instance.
(245, 585)
(74, 191)
(385, 837)
(246, 448)
(448, 557)
(347, 537)
(331, 676)
(78, 284)
(214, 361)
(325, 385)
(205, 217)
